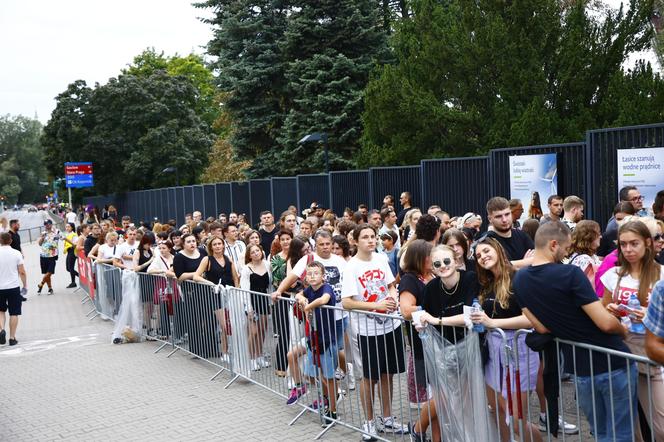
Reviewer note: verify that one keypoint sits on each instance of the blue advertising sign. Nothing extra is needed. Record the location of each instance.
(533, 178)
(79, 175)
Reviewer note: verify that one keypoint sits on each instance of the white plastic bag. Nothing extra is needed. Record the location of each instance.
(129, 323)
(457, 382)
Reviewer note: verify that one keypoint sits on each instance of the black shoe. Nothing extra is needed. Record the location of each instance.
(3, 337)
(39, 287)
(12, 341)
(117, 341)
(24, 298)
(72, 285)
(50, 291)
(328, 418)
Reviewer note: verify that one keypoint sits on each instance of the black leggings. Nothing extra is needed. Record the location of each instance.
(70, 264)
(282, 312)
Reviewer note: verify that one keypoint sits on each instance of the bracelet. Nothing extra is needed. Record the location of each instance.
(440, 321)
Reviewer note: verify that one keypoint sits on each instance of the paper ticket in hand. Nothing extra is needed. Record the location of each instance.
(417, 317)
(466, 315)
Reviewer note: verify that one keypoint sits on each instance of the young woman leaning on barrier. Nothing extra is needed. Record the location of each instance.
(500, 310)
(216, 269)
(279, 266)
(257, 277)
(636, 276)
(104, 253)
(416, 274)
(443, 301)
(164, 287)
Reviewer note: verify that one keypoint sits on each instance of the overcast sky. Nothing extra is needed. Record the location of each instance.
(47, 44)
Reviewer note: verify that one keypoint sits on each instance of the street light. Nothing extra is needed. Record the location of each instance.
(315, 138)
(173, 170)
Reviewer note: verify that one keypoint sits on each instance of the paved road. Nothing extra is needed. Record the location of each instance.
(66, 381)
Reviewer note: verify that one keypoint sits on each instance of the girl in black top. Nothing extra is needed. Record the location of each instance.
(194, 312)
(442, 301)
(256, 277)
(217, 269)
(416, 273)
(500, 310)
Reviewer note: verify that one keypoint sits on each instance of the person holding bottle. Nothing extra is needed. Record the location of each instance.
(627, 291)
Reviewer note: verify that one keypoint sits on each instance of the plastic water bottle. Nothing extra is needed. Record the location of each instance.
(477, 308)
(635, 304)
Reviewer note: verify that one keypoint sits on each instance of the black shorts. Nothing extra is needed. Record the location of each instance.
(260, 303)
(47, 265)
(382, 354)
(11, 299)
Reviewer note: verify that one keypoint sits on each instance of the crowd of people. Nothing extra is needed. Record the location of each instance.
(555, 273)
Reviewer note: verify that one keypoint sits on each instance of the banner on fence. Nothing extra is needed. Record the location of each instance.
(533, 178)
(643, 168)
(85, 276)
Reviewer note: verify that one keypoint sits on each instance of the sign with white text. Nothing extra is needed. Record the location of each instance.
(533, 178)
(79, 175)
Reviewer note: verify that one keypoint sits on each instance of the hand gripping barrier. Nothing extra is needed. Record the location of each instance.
(375, 374)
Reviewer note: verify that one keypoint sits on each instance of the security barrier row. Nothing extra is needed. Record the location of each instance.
(374, 373)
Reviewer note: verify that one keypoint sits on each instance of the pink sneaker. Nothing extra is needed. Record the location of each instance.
(295, 394)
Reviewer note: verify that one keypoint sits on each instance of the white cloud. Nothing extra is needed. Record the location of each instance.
(48, 44)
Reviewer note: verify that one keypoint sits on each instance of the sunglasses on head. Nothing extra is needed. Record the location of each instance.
(445, 263)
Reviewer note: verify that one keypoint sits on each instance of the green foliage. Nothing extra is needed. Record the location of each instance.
(131, 128)
(21, 166)
(471, 76)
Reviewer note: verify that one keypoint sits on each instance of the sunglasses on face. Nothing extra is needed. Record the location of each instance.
(658, 237)
(445, 263)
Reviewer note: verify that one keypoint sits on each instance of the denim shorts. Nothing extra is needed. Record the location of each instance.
(329, 361)
(341, 326)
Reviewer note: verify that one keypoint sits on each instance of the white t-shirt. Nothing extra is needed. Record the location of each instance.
(71, 217)
(236, 253)
(106, 252)
(10, 259)
(126, 249)
(628, 285)
(368, 281)
(334, 270)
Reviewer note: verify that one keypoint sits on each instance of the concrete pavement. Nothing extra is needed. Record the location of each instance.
(66, 381)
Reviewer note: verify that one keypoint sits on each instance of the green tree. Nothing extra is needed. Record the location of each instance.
(21, 159)
(250, 64)
(334, 45)
(131, 128)
(471, 76)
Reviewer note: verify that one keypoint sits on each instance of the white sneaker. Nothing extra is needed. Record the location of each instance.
(390, 424)
(225, 358)
(255, 366)
(369, 429)
(264, 362)
(339, 374)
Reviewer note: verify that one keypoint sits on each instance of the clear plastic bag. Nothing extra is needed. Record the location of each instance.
(457, 382)
(129, 323)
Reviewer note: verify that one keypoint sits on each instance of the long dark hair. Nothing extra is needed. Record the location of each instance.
(295, 251)
(650, 269)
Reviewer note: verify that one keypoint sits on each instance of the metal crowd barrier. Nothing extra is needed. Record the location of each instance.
(232, 329)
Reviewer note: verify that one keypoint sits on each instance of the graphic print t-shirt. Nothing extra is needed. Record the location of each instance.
(368, 281)
(627, 287)
(334, 268)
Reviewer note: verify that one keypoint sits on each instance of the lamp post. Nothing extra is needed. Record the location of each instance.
(318, 137)
(173, 170)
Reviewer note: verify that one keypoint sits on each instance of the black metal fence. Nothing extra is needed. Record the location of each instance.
(587, 169)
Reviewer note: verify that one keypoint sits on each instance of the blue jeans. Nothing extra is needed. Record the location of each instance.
(614, 383)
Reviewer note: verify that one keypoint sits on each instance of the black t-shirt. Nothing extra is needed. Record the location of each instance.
(516, 246)
(555, 293)
(16, 240)
(439, 304)
(90, 242)
(267, 238)
(494, 310)
(401, 215)
(183, 264)
(411, 283)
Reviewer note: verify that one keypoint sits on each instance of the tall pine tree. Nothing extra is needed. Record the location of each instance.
(250, 67)
(332, 46)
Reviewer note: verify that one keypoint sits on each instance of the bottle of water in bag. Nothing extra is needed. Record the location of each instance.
(635, 304)
(476, 308)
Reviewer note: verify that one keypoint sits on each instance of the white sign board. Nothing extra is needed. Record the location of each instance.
(643, 168)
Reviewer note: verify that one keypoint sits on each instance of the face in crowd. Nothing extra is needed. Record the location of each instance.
(324, 247)
(267, 220)
(636, 199)
(190, 243)
(556, 207)
(501, 220)
(442, 262)
(217, 246)
(486, 256)
(366, 240)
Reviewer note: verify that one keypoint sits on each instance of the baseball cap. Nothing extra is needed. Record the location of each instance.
(47, 222)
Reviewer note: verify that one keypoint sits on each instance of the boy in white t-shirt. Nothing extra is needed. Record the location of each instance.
(368, 284)
(124, 254)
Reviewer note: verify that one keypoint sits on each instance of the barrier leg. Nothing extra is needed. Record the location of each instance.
(299, 415)
(173, 352)
(217, 374)
(231, 382)
(85, 299)
(160, 347)
(95, 315)
(90, 312)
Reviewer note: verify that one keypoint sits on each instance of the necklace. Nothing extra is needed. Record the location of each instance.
(456, 286)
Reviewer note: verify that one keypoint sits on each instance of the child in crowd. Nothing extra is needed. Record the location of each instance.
(322, 354)
(389, 239)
